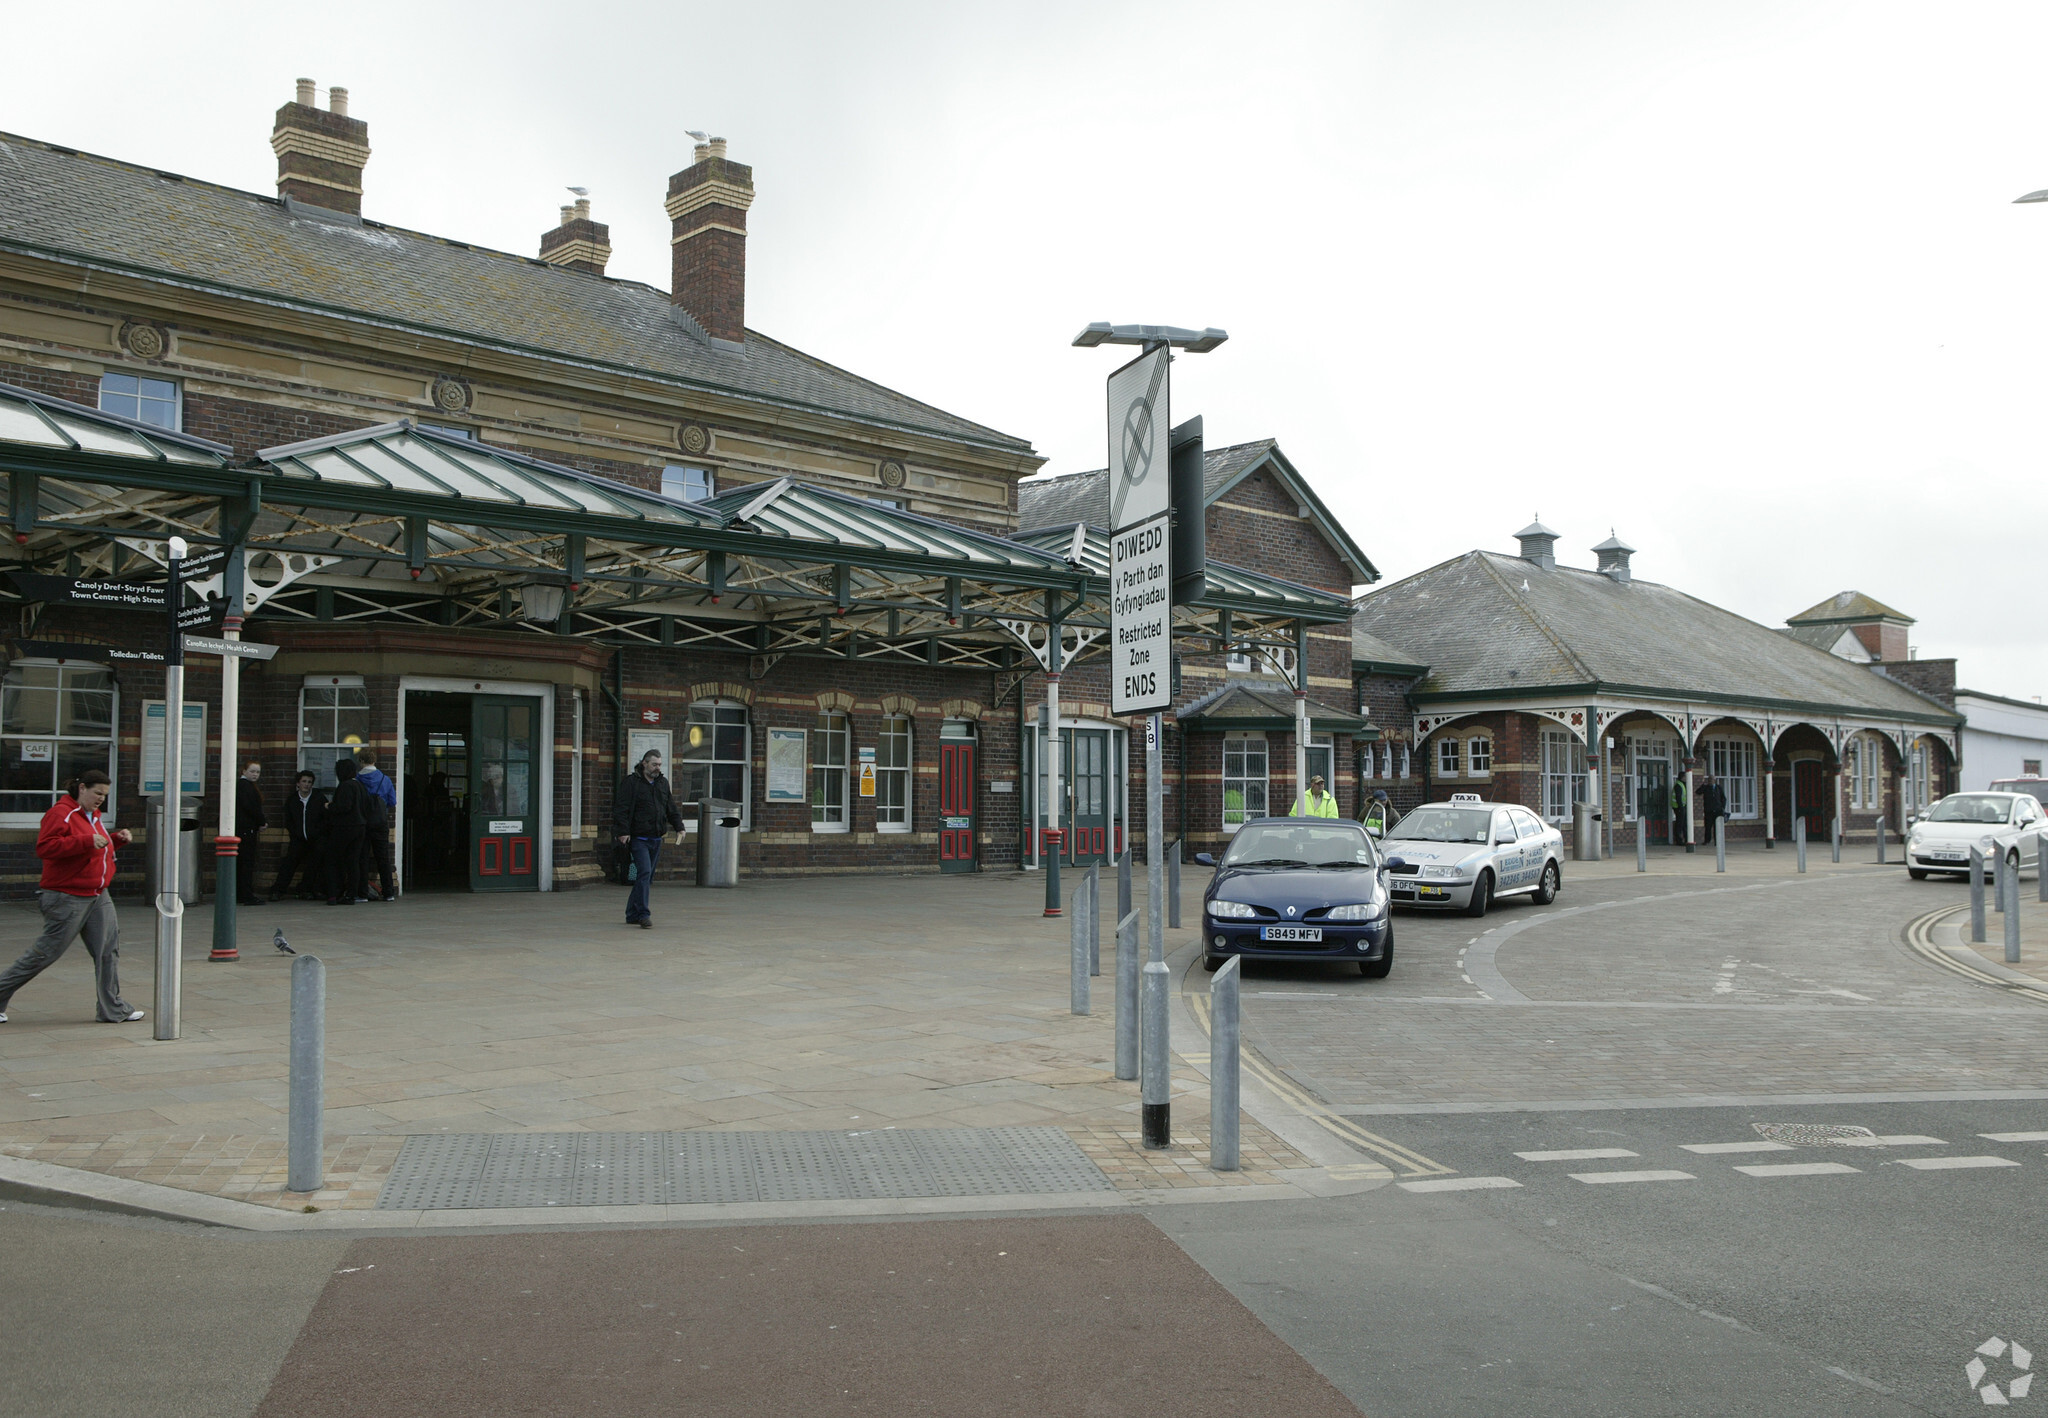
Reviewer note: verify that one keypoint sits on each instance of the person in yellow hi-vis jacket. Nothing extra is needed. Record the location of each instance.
(1320, 803)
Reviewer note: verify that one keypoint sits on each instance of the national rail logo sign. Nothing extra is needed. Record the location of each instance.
(1139, 430)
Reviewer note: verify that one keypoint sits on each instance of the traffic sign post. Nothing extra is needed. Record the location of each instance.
(170, 905)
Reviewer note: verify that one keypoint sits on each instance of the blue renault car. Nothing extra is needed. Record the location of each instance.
(1299, 888)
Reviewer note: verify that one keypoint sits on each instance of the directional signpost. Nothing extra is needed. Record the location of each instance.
(1141, 591)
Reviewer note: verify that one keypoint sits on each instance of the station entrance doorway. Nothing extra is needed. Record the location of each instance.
(474, 799)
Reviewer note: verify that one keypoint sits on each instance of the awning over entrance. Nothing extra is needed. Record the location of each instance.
(404, 524)
(1252, 705)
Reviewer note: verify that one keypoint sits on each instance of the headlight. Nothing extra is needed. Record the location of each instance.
(1365, 911)
(1231, 911)
(1439, 871)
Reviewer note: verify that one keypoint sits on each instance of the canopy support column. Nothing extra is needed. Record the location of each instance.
(1055, 633)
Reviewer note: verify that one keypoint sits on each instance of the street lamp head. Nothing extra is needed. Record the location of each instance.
(178, 548)
(1101, 332)
(2041, 196)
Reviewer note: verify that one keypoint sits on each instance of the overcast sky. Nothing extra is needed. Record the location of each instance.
(1741, 281)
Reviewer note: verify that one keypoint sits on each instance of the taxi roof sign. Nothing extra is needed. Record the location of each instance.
(1464, 797)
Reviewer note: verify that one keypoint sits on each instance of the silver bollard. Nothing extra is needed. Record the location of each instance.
(1077, 951)
(1838, 839)
(1880, 841)
(1997, 867)
(1223, 1063)
(1123, 884)
(1095, 920)
(2041, 865)
(1976, 896)
(1720, 844)
(1155, 1108)
(1799, 841)
(1173, 889)
(1642, 845)
(309, 1069)
(1127, 997)
(2012, 917)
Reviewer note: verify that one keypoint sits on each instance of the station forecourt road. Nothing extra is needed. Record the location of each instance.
(1664, 1016)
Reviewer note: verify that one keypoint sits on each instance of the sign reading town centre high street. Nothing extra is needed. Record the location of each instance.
(1140, 542)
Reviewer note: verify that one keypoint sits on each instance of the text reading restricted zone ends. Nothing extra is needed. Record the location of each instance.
(1141, 617)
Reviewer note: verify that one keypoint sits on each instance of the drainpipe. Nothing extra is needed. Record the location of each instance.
(1026, 785)
(1181, 732)
(618, 699)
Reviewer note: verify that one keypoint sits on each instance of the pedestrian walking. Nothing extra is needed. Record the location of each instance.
(77, 851)
(383, 803)
(347, 817)
(1317, 802)
(250, 820)
(305, 822)
(643, 813)
(1681, 814)
(1714, 802)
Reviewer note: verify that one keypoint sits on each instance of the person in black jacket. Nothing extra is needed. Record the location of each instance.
(250, 819)
(347, 817)
(305, 820)
(1714, 802)
(643, 812)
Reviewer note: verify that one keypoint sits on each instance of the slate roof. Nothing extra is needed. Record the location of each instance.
(1084, 497)
(1253, 704)
(1487, 623)
(66, 205)
(1369, 649)
(1846, 606)
(1824, 636)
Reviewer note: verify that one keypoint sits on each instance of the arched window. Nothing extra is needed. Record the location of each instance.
(715, 758)
(828, 773)
(892, 775)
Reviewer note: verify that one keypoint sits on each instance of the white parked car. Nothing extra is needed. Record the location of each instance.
(1464, 854)
(2007, 825)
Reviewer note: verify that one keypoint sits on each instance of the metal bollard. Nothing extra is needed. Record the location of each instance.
(2041, 865)
(1799, 841)
(1642, 845)
(1880, 842)
(303, 1171)
(1095, 920)
(2012, 917)
(1127, 997)
(1123, 884)
(1976, 896)
(1223, 1064)
(1077, 951)
(1996, 864)
(1173, 889)
(1838, 839)
(1720, 844)
(1156, 1092)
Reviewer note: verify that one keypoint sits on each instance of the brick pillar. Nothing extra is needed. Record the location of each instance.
(578, 243)
(321, 153)
(708, 204)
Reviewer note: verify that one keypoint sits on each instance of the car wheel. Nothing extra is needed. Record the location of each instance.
(1916, 873)
(1212, 963)
(1377, 969)
(2012, 861)
(1482, 895)
(1547, 889)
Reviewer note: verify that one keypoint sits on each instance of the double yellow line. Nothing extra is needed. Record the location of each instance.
(1920, 940)
(1399, 1161)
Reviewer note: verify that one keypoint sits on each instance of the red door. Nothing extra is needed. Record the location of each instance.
(1809, 795)
(956, 805)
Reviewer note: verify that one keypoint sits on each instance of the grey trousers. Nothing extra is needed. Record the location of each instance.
(64, 919)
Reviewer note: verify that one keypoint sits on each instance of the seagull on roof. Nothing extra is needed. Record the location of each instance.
(693, 133)
(580, 191)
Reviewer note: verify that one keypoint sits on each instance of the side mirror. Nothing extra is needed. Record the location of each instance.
(1375, 830)
(1204, 859)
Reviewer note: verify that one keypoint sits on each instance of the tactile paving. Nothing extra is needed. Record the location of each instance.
(460, 1171)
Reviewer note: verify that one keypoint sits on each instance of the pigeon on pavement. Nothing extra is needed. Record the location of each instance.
(278, 941)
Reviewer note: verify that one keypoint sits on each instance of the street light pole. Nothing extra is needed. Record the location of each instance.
(170, 905)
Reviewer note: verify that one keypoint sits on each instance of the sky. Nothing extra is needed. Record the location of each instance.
(1743, 282)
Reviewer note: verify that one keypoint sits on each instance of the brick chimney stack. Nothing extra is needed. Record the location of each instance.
(578, 243)
(321, 155)
(708, 203)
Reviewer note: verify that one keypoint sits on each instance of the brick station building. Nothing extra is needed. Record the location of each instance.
(512, 521)
(1509, 675)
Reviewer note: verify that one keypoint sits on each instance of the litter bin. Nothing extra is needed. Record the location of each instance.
(718, 842)
(188, 853)
(1585, 832)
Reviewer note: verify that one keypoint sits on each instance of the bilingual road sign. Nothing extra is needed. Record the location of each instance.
(241, 649)
(1141, 616)
(1138, 435)
(112, 595)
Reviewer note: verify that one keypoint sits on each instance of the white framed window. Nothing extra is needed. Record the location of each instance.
(687, 484)
(334, 723)
(449, 430)
(715, 758)
(1321, 760)
(1479, 757)
(1916, 776)
(146, 400)
(1237, 664)
(892, 775)
(828, 773)
(1732, 762)
(1404, 762)
(1564, 773)
(1244, 780)
(56, 721)
(1862, 765)
(1447, 751)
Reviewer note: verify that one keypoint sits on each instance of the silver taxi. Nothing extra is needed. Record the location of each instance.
(1464, 854)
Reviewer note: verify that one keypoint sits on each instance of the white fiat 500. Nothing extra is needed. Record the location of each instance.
(1462, 854)
(1996, 824)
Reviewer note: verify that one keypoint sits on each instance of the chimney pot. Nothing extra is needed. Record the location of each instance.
(703, 151)
(583, 209)
(321, 156)
(717, 146)
(707, 203)
(578, 243)
(337, 101)
(306, 92)
(567, 214)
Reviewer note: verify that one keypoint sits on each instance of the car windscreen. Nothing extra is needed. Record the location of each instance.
(2034, 788)
(1300, 845)
(1971, 807)
(1444, 824)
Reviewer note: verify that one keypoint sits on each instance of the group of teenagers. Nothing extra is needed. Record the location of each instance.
(336, 842)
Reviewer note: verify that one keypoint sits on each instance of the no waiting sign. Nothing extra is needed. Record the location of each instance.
(1141, 618)
(1139, 420)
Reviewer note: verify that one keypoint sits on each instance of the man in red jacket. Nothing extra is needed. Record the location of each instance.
(78, 867)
